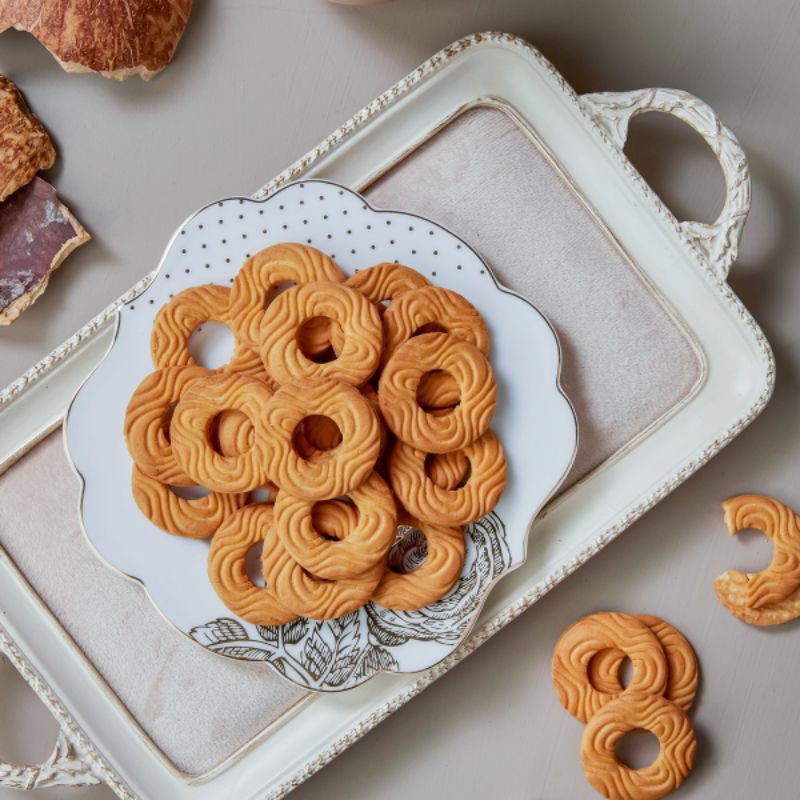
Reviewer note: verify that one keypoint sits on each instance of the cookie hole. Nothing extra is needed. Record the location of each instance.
(409, 551)
(263, 494)
(230, 433)
(449, 471)
(316, 437)
(252, 565)
(315, 339)
(275, 290)
(429, 327)
(323, 526)
(625, 674)
(211, 344)
(758, 548)
(437, 392)
(637, 749)
(190, 492)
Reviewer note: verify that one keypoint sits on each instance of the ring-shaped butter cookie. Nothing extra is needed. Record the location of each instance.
(193, 427)
(410, 422)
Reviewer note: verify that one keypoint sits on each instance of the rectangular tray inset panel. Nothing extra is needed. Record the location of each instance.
(626, 361)
(197, 707)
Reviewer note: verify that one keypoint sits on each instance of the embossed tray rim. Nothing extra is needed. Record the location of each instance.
(93, 722)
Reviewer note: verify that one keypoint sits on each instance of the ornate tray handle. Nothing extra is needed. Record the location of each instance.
(718, 242)
(64, 767)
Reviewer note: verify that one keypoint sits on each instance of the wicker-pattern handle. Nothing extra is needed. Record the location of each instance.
(719, 241)
(64, 767)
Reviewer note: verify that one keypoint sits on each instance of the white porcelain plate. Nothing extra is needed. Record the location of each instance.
(534, 420)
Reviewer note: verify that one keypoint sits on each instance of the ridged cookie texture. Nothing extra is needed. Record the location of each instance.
(366, 543)
(436, 308)
(431, 580)
(583, 640)
(305, 594)
(683, 673)
(342, 469)
(194, 518)
(385, 282)
(226, 566)
(148, 422)
(424, 499)
(782, 526)
(192, 429)
(638, 711)
(731, 589)
(412, 424)
(262, 274)
(362, 335)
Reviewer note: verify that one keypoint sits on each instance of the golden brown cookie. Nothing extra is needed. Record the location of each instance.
(260, 277)
(359, 354)
(583, 640)
(340, 470)
(782, 526)
(196, 519)
(431, 580)
(397, 393)
(192, 432)
(731, 589)
(226, 566)
(683, 675)
(638, 711)
(305, 594)
(430, 502)
(148, 418)
(385, 282)
(177, 320)
(432, 307)
(365, 544)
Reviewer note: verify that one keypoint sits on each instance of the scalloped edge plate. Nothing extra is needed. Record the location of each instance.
(534, 420)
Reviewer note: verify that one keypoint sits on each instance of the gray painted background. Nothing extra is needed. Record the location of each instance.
(257, 83)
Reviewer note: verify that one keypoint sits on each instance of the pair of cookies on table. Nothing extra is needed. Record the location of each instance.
(586, 676)
(294, 409)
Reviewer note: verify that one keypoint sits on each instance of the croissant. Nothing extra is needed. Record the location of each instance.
(25, 146)
(117, 38)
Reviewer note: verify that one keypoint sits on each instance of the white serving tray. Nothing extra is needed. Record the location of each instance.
(685, 264)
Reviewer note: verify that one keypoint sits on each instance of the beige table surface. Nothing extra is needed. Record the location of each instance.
(257, 83)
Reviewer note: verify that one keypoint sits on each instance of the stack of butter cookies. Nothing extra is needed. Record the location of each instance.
(362, 404)
(586, 676)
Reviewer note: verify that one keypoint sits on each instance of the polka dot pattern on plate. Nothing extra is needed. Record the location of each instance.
(215, 242)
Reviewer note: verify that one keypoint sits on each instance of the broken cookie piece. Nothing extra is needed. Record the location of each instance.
(117, 38)
(37, 232)
(25, 147)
